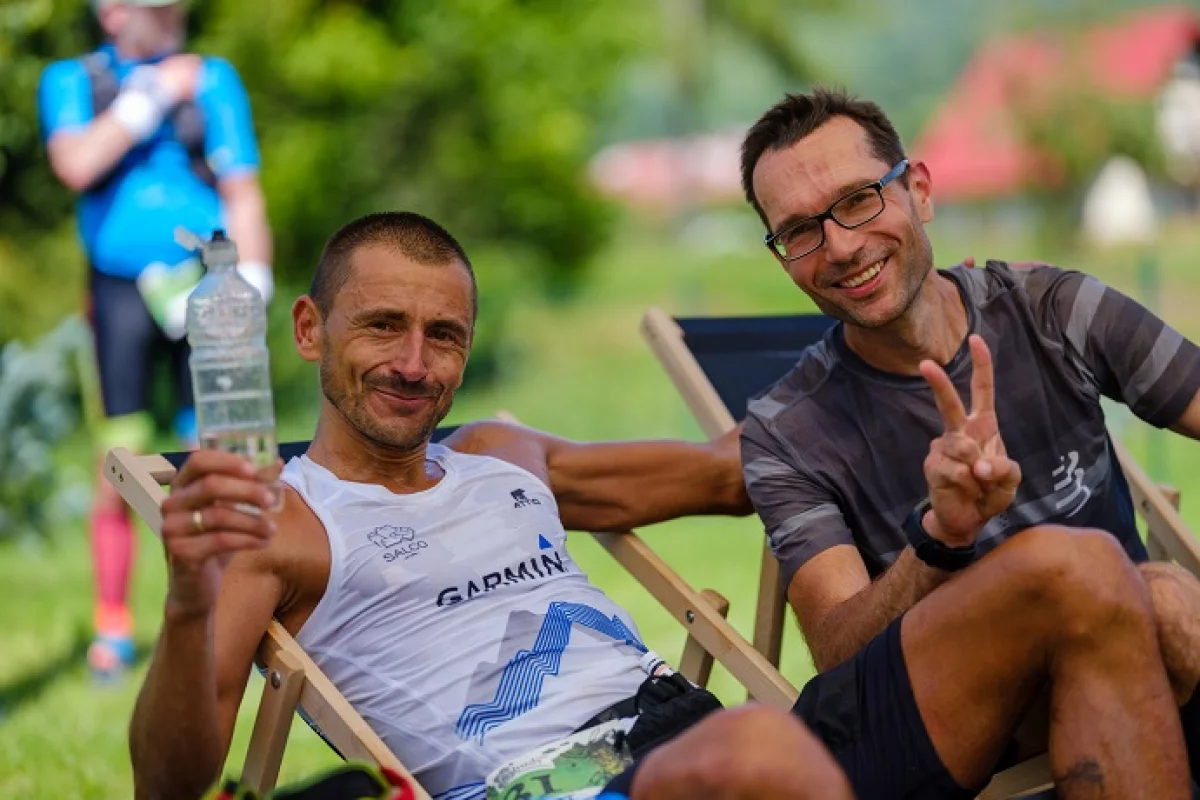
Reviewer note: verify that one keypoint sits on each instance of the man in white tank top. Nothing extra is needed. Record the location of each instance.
(432, 582)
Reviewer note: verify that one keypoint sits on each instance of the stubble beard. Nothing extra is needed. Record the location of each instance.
(353, 409)
(913, 263)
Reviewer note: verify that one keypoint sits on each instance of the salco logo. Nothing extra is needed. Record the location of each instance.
(399, 543)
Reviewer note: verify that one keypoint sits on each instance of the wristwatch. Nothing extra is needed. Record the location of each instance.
(929, 549)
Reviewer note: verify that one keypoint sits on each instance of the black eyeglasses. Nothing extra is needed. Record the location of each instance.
(852, 211)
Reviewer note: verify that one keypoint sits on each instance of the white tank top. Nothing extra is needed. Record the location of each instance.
(455, 621)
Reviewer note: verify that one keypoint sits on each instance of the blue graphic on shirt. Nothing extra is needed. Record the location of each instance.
(543, 544)
(521, 681)
(468, 791)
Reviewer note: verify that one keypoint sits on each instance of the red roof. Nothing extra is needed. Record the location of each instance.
(971, 144)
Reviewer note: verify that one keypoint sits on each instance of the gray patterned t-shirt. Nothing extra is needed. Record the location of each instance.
(833, 453)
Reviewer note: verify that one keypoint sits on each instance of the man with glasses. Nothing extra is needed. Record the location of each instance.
(892, 507)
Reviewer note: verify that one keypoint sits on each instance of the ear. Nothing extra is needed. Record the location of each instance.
(920, 186)
(308, 329)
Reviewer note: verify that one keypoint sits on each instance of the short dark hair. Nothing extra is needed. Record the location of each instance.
(409, 233)
(797, 115)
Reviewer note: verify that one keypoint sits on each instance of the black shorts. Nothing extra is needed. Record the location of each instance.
(865, 713)
(128, 342)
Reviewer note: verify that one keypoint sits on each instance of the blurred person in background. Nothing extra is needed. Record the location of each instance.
(151, 138)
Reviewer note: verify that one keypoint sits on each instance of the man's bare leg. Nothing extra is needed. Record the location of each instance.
(113, 546)
(1055, 607)
(744, 753)
(1175, 594)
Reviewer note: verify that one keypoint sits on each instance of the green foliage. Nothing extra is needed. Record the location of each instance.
(1080, 128)
(40, 404)
(1076, 129)
(478, 113)
(32, 33)
(36, 247)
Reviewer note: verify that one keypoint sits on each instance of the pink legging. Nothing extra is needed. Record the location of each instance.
(113, 542)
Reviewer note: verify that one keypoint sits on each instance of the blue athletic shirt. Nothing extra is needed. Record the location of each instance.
(129, 223)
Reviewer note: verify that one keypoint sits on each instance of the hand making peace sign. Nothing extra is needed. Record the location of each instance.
(968, 471)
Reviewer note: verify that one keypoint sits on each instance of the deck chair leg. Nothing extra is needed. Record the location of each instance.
(772, 609)
(1156, 549)
(1028, 777)
(696, 663)
(284, 680)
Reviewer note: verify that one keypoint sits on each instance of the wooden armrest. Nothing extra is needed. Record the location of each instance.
(696, 663)
(701, 619)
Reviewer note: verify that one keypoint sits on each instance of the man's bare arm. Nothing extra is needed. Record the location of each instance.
(219, 602)
(246, 209)
(618, 486)
(81, 157)
(840, 609)
(1188, 423)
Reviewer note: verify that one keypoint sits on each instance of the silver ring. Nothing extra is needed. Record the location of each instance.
(198, 521)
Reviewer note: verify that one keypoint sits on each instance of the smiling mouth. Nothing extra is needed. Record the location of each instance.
(404, 398)
(859, 278)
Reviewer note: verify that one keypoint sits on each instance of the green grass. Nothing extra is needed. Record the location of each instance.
(581, 371)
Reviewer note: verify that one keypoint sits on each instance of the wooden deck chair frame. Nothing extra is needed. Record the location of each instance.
(1169, 537)
(294, 682)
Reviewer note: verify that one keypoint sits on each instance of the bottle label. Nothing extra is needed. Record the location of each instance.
(165, 291)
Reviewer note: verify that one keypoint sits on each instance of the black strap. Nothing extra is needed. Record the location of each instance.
(103, 80)
(660, 723)
(653, 692)
(186, 119)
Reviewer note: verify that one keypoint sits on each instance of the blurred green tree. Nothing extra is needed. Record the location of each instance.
(1075, 127)
(36, 247)
(41, 401)
(478, 113)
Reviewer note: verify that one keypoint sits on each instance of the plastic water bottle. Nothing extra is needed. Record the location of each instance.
(230, 364)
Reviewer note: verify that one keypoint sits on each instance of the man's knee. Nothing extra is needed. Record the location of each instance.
(1078, 578)
(1172, 588)
(747, 752)
(1175, 597)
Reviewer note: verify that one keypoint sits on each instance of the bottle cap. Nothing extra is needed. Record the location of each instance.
(219, 251)
(655, 665)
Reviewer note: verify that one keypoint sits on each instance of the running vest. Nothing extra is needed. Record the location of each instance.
(187, 120)
(456, 623)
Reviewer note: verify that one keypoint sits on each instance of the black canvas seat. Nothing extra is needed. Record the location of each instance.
(744, 355)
